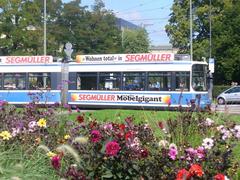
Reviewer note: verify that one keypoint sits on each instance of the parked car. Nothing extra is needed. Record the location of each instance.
(231, 95)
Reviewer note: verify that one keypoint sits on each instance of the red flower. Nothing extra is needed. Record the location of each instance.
(55, 161)
(183, 174)
(112, 148)
(129, 135)
(196, 170)
(80, 118)
(219, 176)
(144, 153)
(160, 124)
(121, 127)
(92, 124)
(95, 136)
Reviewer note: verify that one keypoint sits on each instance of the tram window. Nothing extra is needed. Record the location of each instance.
(39, 81)
(87, 81)
(134, 81)
(109, 81)
(159, 81)
(199, 77)
(15, 81)
(182, 81)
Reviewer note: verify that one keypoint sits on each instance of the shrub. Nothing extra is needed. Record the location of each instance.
(190, 146)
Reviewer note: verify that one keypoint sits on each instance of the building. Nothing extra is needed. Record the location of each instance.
(123, 24)
(163, 49)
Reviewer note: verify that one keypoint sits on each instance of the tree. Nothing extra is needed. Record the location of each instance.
(103, 35)
(225, 15)
(135, 41)
(227, 42)
(19, 27)
(178, 28)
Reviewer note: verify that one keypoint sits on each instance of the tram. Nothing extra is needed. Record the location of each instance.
(147, 80)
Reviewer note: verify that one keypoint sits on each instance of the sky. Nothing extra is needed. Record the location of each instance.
(151, 14)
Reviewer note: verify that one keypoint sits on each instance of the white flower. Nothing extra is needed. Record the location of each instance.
(32, 124)
(173, 146)
(219, 128)
(209, 122)
(163, 143)
(208, 143)
(226, 178)
(236, 131)
(15, 131)
(146, 126)
(226, 134)
(237, 127)
(135, 144)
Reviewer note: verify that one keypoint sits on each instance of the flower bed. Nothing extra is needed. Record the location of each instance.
(191, 146)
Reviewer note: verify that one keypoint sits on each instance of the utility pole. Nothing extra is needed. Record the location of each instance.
(45, 29)
(122, 36)
(211, 61)
(210, 30)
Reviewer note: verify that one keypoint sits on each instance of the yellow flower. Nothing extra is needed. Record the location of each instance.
(66, 137)
(42, 122)
(51, 154)
(5, 135)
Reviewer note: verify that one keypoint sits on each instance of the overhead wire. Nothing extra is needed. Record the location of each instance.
(139, 5)
(145, 10)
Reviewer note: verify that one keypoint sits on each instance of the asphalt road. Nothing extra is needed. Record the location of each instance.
(228, 108)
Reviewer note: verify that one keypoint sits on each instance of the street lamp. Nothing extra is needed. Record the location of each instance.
(45, 29)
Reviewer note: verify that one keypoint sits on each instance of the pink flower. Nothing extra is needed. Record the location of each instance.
(200, 152)
(55, 161)
(112, 148)
(173, 153)
(95, 136)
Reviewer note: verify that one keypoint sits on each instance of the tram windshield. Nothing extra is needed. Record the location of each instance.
(199, 77)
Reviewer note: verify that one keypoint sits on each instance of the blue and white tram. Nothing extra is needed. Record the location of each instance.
(137, 80)
(24, 79)
(106, 81)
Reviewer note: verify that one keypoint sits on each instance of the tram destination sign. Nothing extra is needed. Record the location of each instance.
(126, 58)
(26, 59)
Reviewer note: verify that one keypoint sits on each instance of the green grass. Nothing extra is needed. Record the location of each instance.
(16, 163)
(139, 115)
(118, 115)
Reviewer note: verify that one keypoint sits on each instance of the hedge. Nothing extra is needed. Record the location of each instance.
(217, 89)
